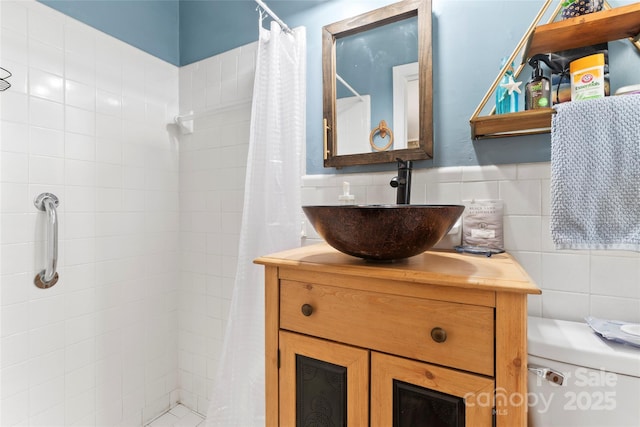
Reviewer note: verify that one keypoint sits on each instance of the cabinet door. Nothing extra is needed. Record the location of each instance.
(322, 382)
(409, 393)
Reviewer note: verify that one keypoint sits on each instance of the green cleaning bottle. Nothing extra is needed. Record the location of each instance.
(537, 92)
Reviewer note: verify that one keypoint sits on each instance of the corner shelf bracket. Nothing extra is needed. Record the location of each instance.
(539, 121)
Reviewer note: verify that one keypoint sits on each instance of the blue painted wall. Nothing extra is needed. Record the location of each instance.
(149, 25)
(469, 38)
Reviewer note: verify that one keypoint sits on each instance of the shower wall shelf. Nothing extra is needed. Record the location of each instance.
(599, 27)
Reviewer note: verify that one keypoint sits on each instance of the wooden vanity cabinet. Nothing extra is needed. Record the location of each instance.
(437, 335)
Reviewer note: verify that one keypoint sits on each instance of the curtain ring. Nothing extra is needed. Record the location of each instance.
(383, 130)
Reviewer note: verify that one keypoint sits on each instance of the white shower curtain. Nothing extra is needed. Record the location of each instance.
(270, 222)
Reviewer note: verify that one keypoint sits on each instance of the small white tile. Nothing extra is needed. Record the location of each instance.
(17, 258)
(166, 420)
(615, 308)
(81, 173)
(80, 199)
(17, 228)
(108, 103)
(540, 171)
(80, 225)
(45, 311)
(565, 305)
(189, 420)
(46, 339)
(480, 190)
(15, 319)
(45, 113)
(15, 46)
(80, 121)
(522, 233)
(52, 417)
(14, 348)
(79, 329)
(14, 167)
(15, 409)
(14, 136)
(14, 379)
(108, 151)
(46, 396)
(46, 142)
(79, 354)
(46, 57)
(521, 197)
(490, 172)
(46, 367)
(80, 303)
(14, 288)
(565, 272)
(80, 95)
(79, 406)
(14, 16)
(46, 27)
(79, 39)
(80, 68)
(15, 107)
(180, 411)
(15, 198)
(46, 85)
(46, 170)
(615, 276)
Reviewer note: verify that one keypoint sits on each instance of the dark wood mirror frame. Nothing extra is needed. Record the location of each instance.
(378, 17)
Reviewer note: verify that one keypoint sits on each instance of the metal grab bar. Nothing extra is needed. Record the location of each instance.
(48, 277)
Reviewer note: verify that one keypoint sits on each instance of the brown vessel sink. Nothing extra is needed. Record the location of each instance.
(383, 232)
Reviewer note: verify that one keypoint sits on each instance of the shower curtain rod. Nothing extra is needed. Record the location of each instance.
(348, 86)
(264, 7)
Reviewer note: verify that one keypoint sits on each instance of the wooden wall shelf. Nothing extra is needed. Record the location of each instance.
(607, 25)
(513, 124)
(613, 24)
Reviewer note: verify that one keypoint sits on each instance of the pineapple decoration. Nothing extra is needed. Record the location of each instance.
(573, 8)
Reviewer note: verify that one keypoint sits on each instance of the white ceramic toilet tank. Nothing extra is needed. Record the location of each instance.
(601, 386)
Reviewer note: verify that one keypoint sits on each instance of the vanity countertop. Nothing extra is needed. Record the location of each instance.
(499, 272)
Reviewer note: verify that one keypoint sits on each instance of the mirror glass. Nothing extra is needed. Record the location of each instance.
(377, 86)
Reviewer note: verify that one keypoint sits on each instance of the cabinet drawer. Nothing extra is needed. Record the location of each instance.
(404, 326)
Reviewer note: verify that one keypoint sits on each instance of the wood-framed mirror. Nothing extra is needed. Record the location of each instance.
(377, 86)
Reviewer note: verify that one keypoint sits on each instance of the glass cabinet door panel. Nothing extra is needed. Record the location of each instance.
(322, 382)
(321, 393)
(406, 392)
(419, 406)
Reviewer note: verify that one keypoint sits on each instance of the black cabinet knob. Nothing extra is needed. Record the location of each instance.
(439, 335)
(307, 309)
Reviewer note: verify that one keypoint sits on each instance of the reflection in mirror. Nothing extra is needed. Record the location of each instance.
(377, 86)
(406, 105)
(368, 60)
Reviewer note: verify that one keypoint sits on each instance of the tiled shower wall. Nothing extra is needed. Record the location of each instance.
(212, 172)
(575, 284)
(86, 119)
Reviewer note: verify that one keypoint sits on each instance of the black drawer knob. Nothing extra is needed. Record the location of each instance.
(307, 309)
(439, 335)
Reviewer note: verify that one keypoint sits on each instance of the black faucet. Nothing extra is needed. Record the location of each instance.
(403, 182)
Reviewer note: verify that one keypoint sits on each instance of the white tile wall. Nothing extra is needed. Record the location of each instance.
(86, 119)
(575, 284)
(212, 171)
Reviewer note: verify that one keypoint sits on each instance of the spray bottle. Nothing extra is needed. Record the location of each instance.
(537, 92)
